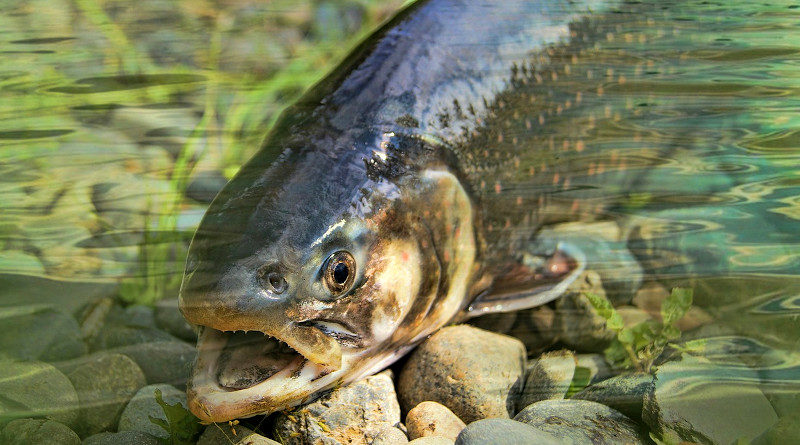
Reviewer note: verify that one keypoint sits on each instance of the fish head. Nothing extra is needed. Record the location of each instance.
(305, 274)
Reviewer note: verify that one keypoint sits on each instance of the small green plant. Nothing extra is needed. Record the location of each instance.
(182, 427)
(638, 346)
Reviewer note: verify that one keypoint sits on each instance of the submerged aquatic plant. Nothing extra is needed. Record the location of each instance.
(182, 427)
(640, 345)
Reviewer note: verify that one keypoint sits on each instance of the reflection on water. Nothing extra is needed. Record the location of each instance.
(685, 112)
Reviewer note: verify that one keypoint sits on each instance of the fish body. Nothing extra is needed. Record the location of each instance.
(403, 192)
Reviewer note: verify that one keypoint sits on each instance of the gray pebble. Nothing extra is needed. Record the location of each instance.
(549, 377)
(476, 373)
(36, 389)
(39, 333)
(140, 315)
(38, 431)
(169, 318)
(355, 413)
(535, 329)
(625, 393)
(596, 364)
(699, 401)
(114, 335)
(122, 438)
(104, 383)
(503, 432)
(580, 421)
(390, 435)
(433, 419)
(162, 362)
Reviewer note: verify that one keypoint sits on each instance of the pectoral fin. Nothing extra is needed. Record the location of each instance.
(537, 278)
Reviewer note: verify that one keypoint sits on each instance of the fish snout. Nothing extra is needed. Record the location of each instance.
(239, 297)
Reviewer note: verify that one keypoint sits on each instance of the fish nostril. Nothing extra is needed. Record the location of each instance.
(277, 282)
(273, 280)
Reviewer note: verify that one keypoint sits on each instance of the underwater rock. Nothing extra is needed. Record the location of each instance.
(104, 383)
(352, 414)
(36, 389)
(137, 315)
(33, 431)
(39, 333)
(122, 438)
(652, 295)
(534, 328)
(143, 405)
(163, 361)
(433, 419)
(390, 435)
(234, 435)
(581, 421)
(476, 373)
(598, 367)
(500, 322)
(625, 393)
(503, 432)
(578, 325)
(631, 315)
(696, 400)
(92, 316)
(169, 318)
(549, 377)
(114, 335)
(785, 430)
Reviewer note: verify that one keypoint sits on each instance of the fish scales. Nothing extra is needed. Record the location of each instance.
(408, 189)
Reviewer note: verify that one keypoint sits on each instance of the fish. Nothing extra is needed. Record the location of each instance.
(408, 189)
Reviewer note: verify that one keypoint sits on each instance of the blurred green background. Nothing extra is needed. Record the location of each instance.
(121, 120)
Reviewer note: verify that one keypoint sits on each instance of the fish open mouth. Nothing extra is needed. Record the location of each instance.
(249, 358)
(244, 373)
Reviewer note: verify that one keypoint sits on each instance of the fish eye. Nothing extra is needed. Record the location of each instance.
(340, 272)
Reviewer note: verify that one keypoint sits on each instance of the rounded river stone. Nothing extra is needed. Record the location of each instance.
(476, 373)
(580, 422)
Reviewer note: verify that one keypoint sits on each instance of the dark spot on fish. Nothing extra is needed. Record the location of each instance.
(444, 119)
(408, 121)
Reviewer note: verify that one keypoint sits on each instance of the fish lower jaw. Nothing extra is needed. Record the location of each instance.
(240, 375)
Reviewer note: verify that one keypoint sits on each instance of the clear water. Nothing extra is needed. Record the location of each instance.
(108, 115)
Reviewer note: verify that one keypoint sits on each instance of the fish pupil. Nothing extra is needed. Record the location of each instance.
(340, 273)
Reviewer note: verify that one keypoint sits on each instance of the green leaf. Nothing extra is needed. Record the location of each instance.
(617, 355)
(626, 336)
(676, 305)
(180, 424)
(607, 311)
